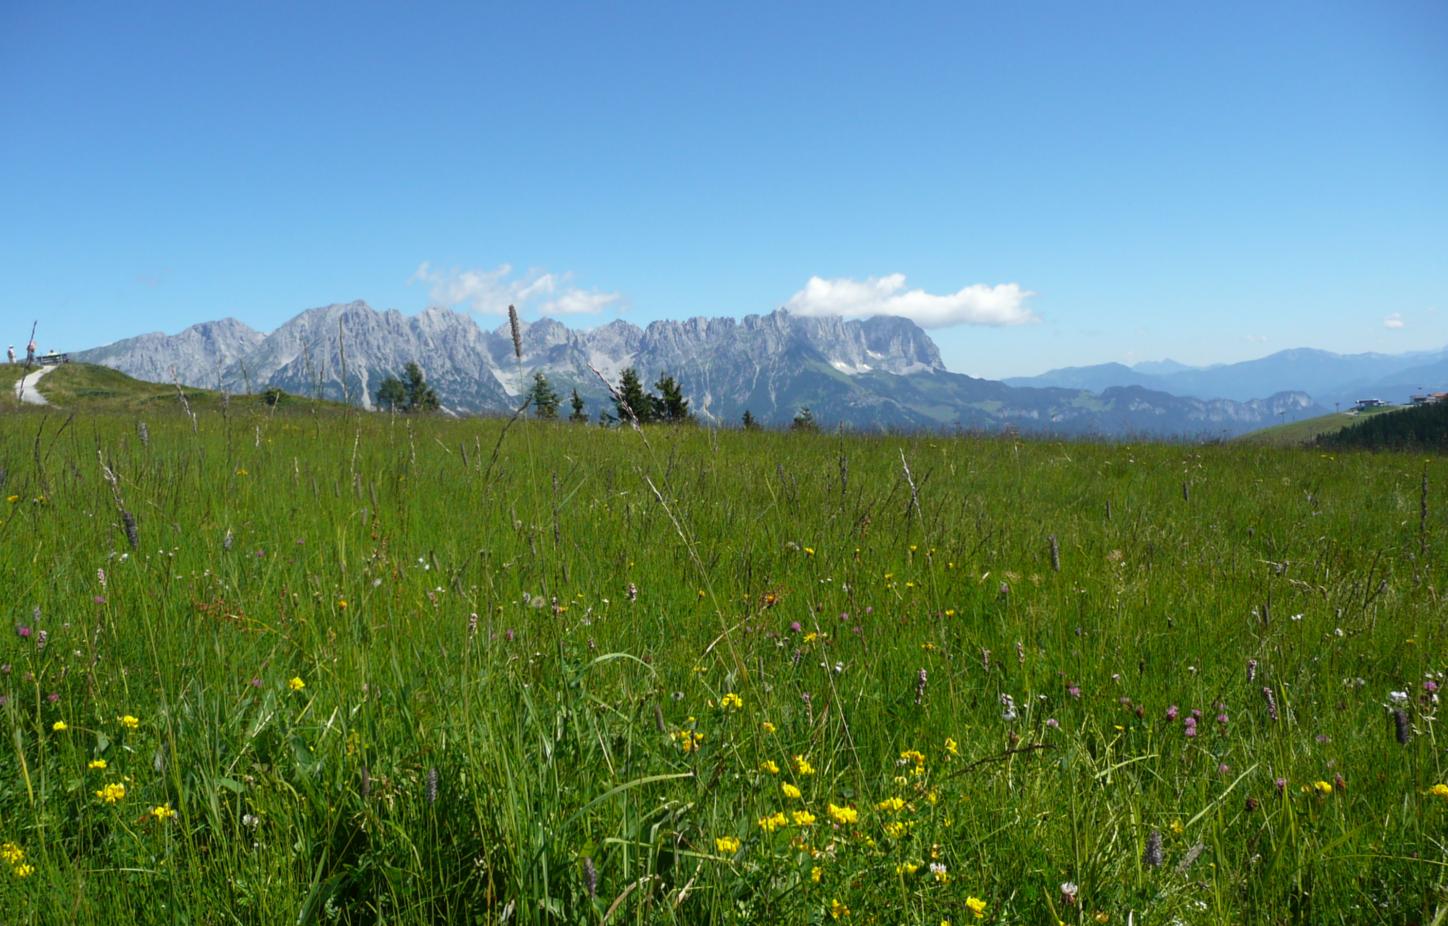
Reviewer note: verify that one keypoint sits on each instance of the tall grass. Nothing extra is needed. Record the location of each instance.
(378, 679)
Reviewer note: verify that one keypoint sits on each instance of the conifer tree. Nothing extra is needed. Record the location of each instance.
(545, 399)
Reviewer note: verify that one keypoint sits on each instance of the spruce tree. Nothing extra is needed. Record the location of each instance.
(640, 405)
(545, 400)
(392, 395)
(420, 396)
(671, 404)
(578, 416)
(748, 421)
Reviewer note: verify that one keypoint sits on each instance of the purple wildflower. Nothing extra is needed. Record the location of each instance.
(1172, 712)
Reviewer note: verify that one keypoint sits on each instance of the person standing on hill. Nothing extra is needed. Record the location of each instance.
(30, 352)
(10, 354)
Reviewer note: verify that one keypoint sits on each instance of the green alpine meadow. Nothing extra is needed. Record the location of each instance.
(300, 664)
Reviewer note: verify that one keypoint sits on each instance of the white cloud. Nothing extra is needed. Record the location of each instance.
(1394, 321)
(490, 292)
(1255, 338)
(579, 302)
(1003, 304)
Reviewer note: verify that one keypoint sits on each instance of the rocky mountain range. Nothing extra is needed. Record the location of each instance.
(881, 372)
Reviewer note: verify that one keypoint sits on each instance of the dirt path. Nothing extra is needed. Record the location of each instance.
(25, 389)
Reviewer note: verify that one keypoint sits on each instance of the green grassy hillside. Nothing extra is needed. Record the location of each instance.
(363, 669)
(1299, 433)
(97, 388)
(1423, 427)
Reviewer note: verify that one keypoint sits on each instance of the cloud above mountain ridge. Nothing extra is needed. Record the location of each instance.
(490, 292)
(997, 306)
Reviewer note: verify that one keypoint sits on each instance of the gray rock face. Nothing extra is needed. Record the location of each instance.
(198, 356)
(878, 373)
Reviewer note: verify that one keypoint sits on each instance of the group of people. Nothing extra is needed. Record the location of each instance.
(29, 353)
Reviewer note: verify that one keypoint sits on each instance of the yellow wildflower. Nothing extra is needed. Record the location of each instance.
(976, 906)
(11, 853)
(296, 684)
(809, 551)
(689, 740)
(96, 764)
(838, 910)
(112, 793)
(130, 722)
(951, 746)
(23, 870)
(803, 818)
(13, 499)
(767, 727)
(731, 702)
(726, 845)
(769, 766)
(802, 766)
(895, 829)
(811, 637)
(1176, 827)
(773, 821)
(1323, 787)
(342, 604)
(789, 790)
(905, 869)
(816, 874)
(162, 812)
(1439, 790)
(892, 804)
(59, 726)
(843, 815)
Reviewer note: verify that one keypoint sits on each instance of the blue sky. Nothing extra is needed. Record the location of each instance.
(1044, 184)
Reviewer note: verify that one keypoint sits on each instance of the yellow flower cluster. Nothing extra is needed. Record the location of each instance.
(112, 793)
(162, 812)
(96, 765)
(843, 815)
(976, 906)
(790, 791)
(726, 845)
(689, 740)
(296, 684)
(769, 766)
(802, 766)
(892, 804)
(1439, 790)
(130, 722)
(59, 726)
(731, 702)
(773, 821)
(14, 856)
